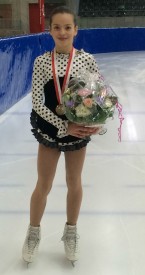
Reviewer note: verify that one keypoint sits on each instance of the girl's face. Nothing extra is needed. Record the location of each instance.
(63, 31)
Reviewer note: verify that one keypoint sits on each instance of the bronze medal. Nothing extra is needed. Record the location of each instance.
(60, 110)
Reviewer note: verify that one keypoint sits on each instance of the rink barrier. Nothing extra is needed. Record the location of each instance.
(17, 55)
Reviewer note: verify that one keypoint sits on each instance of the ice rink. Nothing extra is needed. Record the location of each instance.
(112, 218)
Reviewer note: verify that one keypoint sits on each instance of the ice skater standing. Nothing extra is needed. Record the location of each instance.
(55, 133)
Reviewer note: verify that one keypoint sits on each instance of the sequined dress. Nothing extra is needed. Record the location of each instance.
(49, 128)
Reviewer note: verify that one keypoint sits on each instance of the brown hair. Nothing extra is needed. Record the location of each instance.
(62, 9)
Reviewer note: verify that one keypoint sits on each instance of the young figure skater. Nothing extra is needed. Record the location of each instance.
(55, 133)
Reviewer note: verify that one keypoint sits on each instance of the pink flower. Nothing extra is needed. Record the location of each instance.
(84, 92)
(88, 102)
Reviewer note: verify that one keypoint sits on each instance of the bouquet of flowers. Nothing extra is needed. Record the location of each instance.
(88, 100)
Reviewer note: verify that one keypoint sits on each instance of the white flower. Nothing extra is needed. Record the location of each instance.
(82, 111)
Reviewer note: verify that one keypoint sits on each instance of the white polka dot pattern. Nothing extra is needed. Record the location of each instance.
(42, 73)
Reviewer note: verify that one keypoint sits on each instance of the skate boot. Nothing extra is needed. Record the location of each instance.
(31, 244)
(70, 239)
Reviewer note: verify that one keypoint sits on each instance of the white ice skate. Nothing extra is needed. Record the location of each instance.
(70, 239)
(31, 244)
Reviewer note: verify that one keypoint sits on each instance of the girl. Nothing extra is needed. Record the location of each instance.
(55, 133)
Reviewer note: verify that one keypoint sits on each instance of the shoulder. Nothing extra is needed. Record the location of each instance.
(81, 53)
(44, 58)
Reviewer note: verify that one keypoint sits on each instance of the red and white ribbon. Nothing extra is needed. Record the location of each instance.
(58, 90)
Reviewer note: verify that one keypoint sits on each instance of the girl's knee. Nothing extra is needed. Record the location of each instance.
(73, 182)
(43, 187)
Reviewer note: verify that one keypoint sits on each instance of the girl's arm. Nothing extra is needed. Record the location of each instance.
(38, 82)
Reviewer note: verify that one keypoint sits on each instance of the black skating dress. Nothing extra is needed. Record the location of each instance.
(48, 127)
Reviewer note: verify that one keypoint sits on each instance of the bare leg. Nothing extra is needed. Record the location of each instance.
(74, 161)
(46, 165)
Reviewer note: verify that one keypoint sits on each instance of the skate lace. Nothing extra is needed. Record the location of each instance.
(33, 240)
(71, 238)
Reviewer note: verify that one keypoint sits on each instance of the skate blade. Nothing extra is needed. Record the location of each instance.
(27, 263)
(73, 263)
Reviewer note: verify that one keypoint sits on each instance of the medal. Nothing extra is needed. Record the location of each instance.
(59, 108)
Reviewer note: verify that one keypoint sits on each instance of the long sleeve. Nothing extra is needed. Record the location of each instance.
(38, 82)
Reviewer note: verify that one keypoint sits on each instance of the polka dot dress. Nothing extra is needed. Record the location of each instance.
(49, 128)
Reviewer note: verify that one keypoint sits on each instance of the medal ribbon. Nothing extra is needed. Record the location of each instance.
(58, 90)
